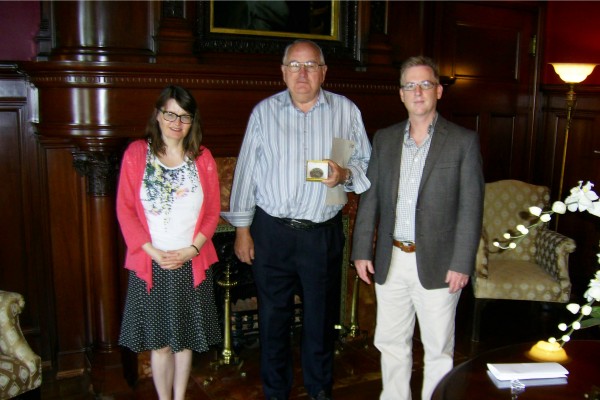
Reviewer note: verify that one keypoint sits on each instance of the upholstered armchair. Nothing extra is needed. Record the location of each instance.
(20, 367)
(537, 269)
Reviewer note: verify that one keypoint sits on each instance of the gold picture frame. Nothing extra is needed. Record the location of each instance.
(316, 20)
(236, 33)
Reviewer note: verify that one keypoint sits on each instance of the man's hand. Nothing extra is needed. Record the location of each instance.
(456, 281)
(337, 175)
(363, 269)
(244, 245)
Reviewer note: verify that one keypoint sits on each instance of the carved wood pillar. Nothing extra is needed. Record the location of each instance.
(101, 170)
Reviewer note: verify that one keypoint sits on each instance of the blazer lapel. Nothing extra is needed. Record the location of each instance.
(394, 162)
(436, 148)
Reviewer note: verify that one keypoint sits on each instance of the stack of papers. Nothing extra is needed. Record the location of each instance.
(529, 374)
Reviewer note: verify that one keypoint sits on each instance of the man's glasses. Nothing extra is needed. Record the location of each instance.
(171, 117)
(425, 85)
(309, 66)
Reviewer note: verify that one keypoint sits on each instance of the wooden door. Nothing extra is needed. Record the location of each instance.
(488, 49)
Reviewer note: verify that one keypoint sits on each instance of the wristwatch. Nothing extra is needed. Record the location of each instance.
(348, 181)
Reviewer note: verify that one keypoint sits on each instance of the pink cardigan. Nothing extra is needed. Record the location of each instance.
(134, 225)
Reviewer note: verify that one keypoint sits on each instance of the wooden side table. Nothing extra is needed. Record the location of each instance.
(469, 380)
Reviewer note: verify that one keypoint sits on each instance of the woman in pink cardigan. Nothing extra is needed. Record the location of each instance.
(168, 205)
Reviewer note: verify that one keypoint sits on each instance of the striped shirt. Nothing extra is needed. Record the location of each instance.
(411, 170)
(279, 140)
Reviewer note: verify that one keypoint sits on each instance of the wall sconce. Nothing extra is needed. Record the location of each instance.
(570, 73)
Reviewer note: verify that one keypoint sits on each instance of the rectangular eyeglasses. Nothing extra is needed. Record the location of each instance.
(309, 66)
(425, 85)
(171, 117)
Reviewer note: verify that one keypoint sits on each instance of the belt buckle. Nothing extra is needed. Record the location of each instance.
(408, 247)
(294, 223)
(405, 246)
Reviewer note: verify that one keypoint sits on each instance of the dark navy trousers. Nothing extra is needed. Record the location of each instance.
(289, 260)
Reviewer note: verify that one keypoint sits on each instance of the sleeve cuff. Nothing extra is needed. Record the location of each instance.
(238, 219)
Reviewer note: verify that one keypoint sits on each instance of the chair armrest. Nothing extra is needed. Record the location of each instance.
(12, 341)
(552, 253)
(482, 258)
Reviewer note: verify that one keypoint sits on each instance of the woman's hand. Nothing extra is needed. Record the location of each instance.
(172, 259)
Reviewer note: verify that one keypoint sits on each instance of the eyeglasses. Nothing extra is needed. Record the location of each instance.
(309, 66)
(171, 117)
(425, 85)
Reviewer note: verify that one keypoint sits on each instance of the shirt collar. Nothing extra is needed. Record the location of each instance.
(430, 131)
(321, 99)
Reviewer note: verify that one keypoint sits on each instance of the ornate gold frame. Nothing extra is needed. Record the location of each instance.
(341, 42)
(334, 17)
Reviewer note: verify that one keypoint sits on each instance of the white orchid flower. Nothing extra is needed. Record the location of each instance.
(535, 211)
(521, 228)
(581, 197)
(595, 208)
(586, 310)
(574, 308)
(545, 217)
(593, 293)
(558, 207)
(562, 326)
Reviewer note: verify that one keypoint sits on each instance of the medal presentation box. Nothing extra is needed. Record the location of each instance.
(317, 170)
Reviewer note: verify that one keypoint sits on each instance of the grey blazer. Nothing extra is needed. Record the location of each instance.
(449, 208)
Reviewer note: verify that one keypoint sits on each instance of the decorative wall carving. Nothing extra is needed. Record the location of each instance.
(101, 170)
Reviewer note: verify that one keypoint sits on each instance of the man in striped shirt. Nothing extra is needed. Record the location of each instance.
(286, 226)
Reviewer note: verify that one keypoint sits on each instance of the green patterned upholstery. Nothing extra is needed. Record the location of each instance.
(20, 367)
(537, 270)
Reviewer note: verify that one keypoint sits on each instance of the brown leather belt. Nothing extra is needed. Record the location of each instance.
(407, 247)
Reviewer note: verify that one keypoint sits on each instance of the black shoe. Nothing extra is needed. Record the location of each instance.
(321, 396)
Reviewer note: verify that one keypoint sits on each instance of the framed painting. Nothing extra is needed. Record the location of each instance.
(268, 26)
(317, 20)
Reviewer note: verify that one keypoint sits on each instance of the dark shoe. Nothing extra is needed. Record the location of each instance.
(321, 396)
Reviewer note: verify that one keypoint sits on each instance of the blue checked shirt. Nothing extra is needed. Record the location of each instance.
(279, 140)
(411, 170)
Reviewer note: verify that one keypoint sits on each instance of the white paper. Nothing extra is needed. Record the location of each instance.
(509, 372)
(341, 150)
(528, 382)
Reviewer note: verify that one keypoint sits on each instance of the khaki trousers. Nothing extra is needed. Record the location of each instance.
(399, 300)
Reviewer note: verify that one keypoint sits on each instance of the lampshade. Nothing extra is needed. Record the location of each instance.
(573, 72)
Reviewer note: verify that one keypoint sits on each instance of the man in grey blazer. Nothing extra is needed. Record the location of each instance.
(425, 209)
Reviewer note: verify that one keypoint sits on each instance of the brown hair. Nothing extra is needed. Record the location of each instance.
(185, 100)
(417, 61)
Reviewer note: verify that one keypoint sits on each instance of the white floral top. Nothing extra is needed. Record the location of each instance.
(172, 198)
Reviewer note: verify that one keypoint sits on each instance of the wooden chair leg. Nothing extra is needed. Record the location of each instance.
(478, 307)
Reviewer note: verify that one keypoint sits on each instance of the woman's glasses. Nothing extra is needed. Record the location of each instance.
(171, 117)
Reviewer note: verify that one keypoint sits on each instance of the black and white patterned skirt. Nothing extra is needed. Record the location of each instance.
(173, 314)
